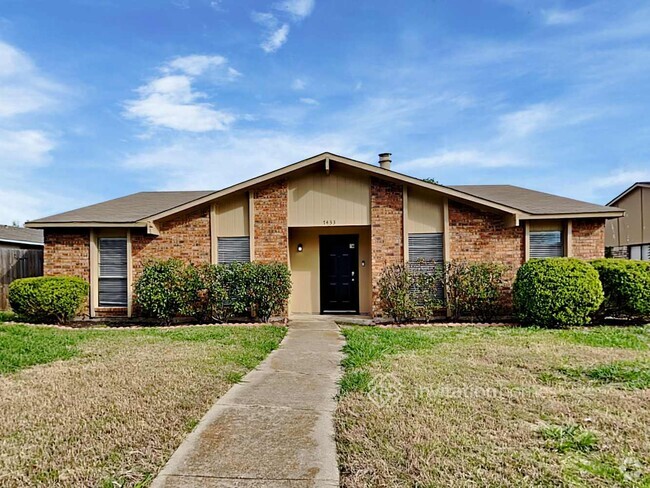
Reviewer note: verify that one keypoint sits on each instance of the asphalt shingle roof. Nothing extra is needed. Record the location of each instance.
(128, 209)
(531, 201)
(20, 234)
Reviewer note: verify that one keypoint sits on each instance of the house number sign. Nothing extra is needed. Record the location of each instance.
(329, 222)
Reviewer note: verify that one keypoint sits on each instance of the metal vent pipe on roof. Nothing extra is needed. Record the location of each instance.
(384, 160)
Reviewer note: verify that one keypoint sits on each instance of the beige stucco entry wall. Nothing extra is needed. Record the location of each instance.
(305, 266)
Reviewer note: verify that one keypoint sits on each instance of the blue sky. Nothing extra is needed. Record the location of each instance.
(101, 98)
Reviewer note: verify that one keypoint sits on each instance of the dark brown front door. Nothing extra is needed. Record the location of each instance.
(339, 274)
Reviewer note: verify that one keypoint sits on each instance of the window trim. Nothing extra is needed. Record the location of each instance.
(566, 234)
(125, 277)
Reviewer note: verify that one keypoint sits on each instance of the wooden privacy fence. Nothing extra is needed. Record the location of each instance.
(17, 263)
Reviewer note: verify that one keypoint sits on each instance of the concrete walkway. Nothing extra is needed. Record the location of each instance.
(275, 428)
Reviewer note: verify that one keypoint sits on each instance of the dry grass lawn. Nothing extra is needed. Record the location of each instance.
(112, 412)
(495, 407)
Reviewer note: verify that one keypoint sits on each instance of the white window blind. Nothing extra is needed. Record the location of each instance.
(112, 272)
(546, 244)
(233, 249)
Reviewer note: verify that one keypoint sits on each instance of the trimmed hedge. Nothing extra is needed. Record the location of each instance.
(48, 298)
(557, 292)
(169, 289)
(626, 284)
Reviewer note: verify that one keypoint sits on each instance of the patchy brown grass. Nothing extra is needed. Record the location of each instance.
(113, 415)
(492, 407)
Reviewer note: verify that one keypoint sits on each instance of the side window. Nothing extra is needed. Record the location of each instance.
(112, 272)
(546, 244)
(233, 249)
(425, 250)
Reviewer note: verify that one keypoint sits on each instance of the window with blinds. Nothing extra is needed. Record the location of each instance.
(426, 255)
(426, 247)
(112, 272)
(546, 244)
(233, 249)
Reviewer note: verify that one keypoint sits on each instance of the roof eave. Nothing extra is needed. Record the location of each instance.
(631, 188)
(50, 225)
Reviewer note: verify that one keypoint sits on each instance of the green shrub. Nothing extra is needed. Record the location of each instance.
(411, 291)
(626, 284)
(475, 290)
(268, 286)
(395, 292)
(556, 292)
(161, 290)
(48, 298)
(168, 289)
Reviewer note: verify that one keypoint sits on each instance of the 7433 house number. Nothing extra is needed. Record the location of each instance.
(329, 222)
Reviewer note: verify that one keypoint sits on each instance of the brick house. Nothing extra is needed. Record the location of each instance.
(335, 221)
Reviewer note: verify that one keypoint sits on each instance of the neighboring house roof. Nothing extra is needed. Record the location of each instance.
(21, 235)
(638, 184)
(531, 201)
(126, 210)
(142, 209)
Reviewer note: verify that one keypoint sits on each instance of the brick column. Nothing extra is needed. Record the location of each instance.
(270, 228)
(386, 219)
(588, 236)
(67, 254)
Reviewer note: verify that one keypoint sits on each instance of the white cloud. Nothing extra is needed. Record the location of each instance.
(299, 9)
(195, 64)
(276, 32)
(524, 122)
(561, 17)
(22, 88)
(298, 84)
(19, 147)
(276, 39)
(464, 158)
(227, 158)
(309, 101)
(171, 102)
(622, 177)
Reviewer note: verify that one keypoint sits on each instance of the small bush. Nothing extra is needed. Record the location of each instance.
(556, 292)
(626, 284)
(161, 290)
(269, 287)
(411, 291)
(168, 289)
(395, 292)
(48, 298)
(475, 290)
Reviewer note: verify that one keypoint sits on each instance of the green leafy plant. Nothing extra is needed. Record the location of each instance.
(161, 291)
(396, 285)
(557, 292)
(269, 287)
(411, 291)
(475, 290)
(626, 284)
(48, 298)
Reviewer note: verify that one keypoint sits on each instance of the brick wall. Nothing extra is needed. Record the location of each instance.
(386, 234)
(185, 237)
(588, 238)
(67, 253)
(476, 235)
(270, 229)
